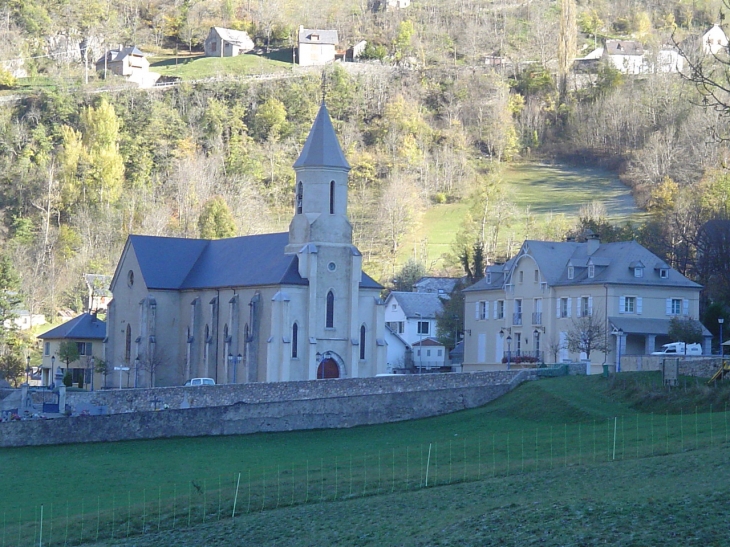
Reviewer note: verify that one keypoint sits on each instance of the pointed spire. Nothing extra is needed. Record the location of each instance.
(322, 148)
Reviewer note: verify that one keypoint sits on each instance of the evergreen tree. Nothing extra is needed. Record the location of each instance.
(216, 220)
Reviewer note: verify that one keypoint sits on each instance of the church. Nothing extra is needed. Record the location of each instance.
(261, 308)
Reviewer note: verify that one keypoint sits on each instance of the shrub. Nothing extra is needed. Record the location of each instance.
(81, 383)
(67, 379)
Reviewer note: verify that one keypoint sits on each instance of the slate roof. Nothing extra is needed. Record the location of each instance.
(612, 261)
(119, 54)
(238, 37)
(435, 284)
(169, 263)
(624, 47)
(640, 325)
(427, 304)
(322, 149)
(84, 327)
(316, 36)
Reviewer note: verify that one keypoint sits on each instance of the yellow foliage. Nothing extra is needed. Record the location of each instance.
(663, 196)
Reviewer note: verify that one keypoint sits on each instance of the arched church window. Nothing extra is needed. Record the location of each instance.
(330, 315)
(362, 342)
(300, 197)
(332, 197)
(128, 344)
(295, 341)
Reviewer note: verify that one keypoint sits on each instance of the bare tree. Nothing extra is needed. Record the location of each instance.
(588, 334)
(152, 362)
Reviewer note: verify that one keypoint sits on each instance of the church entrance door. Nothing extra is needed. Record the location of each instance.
(328, 369)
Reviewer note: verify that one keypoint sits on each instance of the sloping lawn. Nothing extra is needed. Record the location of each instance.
(198, 67)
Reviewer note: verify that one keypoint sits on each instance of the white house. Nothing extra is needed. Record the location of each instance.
(130, 63)
(317, 47)
(261, 308)
(524, 309)
(412, 316)
(626, 56)
(225, 42)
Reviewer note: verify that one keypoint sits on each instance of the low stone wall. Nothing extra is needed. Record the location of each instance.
(321, 404)
(703, 367)
(140, 400)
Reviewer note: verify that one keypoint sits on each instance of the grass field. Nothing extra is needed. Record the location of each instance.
(580, 425)
(196, 67)
(545, 188)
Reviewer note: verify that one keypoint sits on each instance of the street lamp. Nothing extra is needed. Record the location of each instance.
(91, 364)
(509, 351)
(536, 338)
(721, 320)
(27, 369)
(53, 366)
(620, 335)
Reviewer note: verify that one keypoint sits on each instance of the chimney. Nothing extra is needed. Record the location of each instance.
(593, 241)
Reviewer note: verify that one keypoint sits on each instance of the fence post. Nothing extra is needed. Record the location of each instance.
(235, 497)
(40, 533)
(428, 463)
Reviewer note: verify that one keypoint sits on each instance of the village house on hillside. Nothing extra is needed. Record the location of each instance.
(261, 308)
(225, 42)
(526, 307)
(626, 56)
(130, 63)
(88, 333)
(316, 47)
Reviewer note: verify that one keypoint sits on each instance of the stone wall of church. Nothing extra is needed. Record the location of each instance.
(252, 408)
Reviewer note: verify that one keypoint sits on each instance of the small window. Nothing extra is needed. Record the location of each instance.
(294, 341)
(362, 342)
(500, 309)
(663, 273)
(563, 307)
(522, 276)
(537, 276)
(638, 272)
(440, 353)
(47, 348)
(630, 304)
(423, 327)
(332, 197)
(130, 278)
(428, 353)
(571, 272)
(676, 306)
(330, 311)
(591, 271)
(300, 197)
(489, 278)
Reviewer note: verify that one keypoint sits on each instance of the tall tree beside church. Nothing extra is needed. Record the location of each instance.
(215, 220)
(567, 38)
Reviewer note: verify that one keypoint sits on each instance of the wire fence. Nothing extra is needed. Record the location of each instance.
(497, 454)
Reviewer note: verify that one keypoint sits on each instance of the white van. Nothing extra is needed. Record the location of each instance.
(200, 382)
(677, 348)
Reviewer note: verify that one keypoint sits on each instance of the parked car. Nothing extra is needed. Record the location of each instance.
(677, 348)
(200, 382)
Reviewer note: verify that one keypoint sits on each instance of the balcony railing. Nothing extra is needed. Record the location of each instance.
(537, 318)
(517, 318)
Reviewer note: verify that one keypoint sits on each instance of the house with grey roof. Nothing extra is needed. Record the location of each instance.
(439, 285)
(226, 42)
(128, 62)
(526, 307)
(88, 333)
(261, 308)
(412, 315)
(626, 56)
(316, 47)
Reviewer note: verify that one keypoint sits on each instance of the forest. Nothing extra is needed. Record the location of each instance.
(424, 121)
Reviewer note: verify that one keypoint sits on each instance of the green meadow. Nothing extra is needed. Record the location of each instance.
(196, 67)
(545, 189)
(576, 442)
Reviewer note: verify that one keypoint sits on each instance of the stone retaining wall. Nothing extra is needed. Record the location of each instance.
(703, 367)
(312, 405)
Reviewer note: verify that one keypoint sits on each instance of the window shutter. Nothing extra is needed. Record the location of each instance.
(557, 307)
(622, 304)
(638, 305)
(486, 310)
(570, 306)
(496, 305)
(685, 306)
(590, 305)
(669, 306)
(476, 315)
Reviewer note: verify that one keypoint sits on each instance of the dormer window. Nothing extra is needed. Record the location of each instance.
(638, 272)
(489, 278)
(571, 272)
(591, 271)
(663, 273)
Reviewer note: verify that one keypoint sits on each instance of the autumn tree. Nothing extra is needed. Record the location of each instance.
(588, 334)
(12, 369)
(567, 38)
(216, 220)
